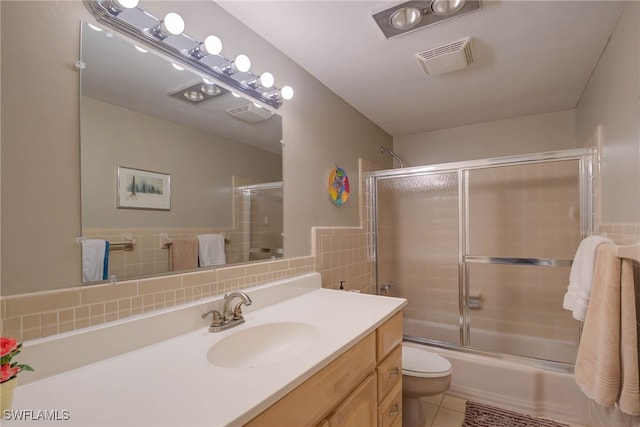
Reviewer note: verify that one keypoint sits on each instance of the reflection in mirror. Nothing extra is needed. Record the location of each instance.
(187, 144)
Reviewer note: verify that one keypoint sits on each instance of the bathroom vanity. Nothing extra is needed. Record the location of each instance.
(304, 356)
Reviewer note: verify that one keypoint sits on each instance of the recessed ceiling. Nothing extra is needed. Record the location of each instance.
(530, 57)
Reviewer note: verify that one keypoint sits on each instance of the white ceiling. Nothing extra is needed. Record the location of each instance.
(531, 57)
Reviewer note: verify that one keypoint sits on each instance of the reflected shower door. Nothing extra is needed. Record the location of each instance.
(266, 223)
(417, 241)
(520, 216)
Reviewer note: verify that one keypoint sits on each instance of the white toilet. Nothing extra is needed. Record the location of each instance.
(423, 374)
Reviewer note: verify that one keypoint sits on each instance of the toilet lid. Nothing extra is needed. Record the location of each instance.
(422, 363)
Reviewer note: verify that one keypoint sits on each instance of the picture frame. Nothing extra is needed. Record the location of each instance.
(143, 189)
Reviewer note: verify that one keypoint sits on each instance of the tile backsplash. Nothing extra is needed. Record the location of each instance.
(29, 316)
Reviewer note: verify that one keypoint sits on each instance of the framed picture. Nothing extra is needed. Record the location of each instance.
(141, 189)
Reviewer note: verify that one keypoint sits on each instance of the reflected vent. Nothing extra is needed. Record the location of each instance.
(250, 113)
(446, 59)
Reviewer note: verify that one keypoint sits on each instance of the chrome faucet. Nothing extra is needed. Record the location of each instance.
(228, 318)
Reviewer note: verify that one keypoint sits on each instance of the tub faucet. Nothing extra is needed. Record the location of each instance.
(236, 314)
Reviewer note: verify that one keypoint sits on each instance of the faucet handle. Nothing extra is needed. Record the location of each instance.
(216, 319)
(237, 311)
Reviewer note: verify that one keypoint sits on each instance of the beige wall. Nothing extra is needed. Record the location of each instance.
(521, 135)
(608, 112)
(40, 137)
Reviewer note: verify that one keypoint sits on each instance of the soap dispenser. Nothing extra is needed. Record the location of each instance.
(341, 285)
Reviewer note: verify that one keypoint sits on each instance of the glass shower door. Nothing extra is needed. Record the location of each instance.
(417, 225)
(523, 227)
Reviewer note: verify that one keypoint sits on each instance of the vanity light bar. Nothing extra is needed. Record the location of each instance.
(204, 57)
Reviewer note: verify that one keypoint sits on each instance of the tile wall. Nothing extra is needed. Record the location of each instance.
(41, 314)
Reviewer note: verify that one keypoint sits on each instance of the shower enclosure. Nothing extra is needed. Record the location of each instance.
(482, 251)
(264, 219)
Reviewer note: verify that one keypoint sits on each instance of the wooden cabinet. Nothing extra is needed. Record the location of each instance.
(389, 371)
(359, 408)
(362, 387)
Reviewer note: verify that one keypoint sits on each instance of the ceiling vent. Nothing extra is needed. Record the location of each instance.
(250, 113)
(446, 59)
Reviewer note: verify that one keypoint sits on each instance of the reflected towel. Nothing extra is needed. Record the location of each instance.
(93, 259)
(581, 277)
(183, 254)
(211, 249)
(607, 364)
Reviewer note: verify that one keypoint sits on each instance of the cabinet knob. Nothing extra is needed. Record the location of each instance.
(394, 373)
(395, 410)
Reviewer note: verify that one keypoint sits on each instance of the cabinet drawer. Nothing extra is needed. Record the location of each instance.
(389, 334)
(307, 404)
(391, 407)
(389, 372)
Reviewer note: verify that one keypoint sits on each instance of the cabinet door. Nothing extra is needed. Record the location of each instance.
(359, 408)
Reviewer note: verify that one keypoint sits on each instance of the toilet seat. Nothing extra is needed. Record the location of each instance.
(424, 364)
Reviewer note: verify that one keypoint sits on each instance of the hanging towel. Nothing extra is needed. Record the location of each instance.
(94, 255)
(581, 277)
(607, 364)
(630, 391)
(211, 249)
(183, 254)
(105, 265)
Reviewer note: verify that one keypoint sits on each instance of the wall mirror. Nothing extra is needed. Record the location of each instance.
(216, 156)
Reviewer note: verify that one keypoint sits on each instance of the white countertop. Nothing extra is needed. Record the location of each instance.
(172, 382)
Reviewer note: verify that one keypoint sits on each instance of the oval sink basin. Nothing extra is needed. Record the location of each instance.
(262, 345)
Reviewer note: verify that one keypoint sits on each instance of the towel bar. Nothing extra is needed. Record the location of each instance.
(165, 240)
(124, 245)
(537, 262)
(629, 251)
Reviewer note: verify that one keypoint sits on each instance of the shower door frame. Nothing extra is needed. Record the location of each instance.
(587, 171)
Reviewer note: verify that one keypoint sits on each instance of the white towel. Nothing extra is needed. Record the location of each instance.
(93, 253)
(581, 277)
(211, 249)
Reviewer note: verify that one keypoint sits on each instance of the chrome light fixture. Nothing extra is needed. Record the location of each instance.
(411, 15)
(205, 57)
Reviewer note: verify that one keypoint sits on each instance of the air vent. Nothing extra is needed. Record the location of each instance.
(446, 59)
(250, 113)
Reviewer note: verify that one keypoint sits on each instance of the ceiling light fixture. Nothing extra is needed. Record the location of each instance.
(167, 37)
(447, 7)
(411, 15)
(198, 93)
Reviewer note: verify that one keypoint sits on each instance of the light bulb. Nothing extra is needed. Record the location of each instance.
(266, 80)
(286, 92)
(173, 23)
(115, 7)
(212, 45)
(127, 4)
(242, 63)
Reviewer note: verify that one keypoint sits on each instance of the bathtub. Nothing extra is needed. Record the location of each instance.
(562, 351)
(514, 385)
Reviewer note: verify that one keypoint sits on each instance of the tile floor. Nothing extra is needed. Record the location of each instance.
(447, 411)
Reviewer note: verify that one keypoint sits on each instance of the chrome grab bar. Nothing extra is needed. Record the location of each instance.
(538, 262)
